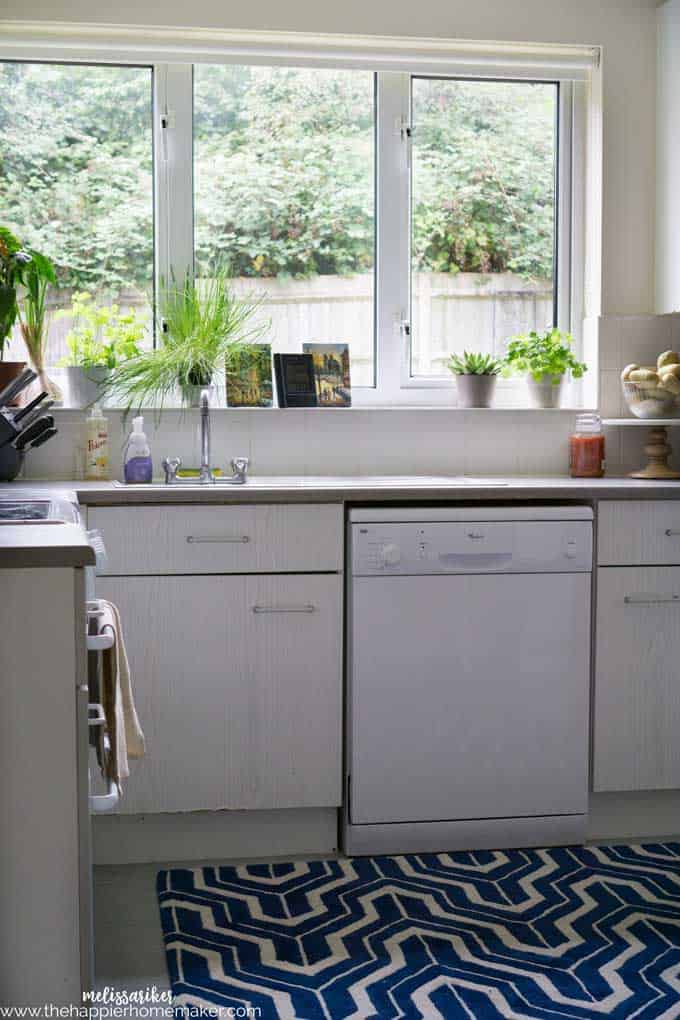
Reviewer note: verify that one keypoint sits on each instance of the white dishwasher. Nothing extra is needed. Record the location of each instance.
(468, 677)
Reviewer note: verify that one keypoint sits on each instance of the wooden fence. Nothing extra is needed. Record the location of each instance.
(449, 313)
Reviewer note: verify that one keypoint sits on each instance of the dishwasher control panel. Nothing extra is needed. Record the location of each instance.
(471, 547)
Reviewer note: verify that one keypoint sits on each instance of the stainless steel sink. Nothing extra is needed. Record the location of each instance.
(325, 482)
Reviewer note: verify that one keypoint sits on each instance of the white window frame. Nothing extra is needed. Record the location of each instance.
(173, 53)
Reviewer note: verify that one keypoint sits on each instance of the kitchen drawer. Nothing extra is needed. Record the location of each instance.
(220, 539)
(638, 532)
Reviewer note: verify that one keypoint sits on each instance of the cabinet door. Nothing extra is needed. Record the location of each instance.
(237, 682)
(637, 682)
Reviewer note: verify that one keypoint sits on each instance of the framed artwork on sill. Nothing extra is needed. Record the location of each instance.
(249, 377)
(295, 385)
(331, 373)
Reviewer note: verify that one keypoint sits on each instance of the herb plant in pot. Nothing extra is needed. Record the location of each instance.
(476, 376)
(13, 261)
(100, 339)
(545, 359)
(203, 324)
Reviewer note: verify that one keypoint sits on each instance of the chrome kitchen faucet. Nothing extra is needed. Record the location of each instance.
(239, 465)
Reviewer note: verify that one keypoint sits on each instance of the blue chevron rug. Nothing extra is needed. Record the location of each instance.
(568, 932)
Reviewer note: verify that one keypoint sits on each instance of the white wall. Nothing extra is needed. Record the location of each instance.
(668, 160)
(625, 28)
(397, 442)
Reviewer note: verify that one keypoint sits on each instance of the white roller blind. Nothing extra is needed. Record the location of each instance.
(23, 40)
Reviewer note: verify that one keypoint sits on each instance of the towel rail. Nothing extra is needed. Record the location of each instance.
(103, 638)
(100, 803)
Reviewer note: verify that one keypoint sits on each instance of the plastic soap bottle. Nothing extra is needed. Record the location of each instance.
(138, 467)
(97, 445)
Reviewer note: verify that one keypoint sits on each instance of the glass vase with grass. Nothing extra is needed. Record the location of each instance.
(39, 274)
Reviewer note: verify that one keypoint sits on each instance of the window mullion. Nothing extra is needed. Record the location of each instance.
(173, 149)
(563, 282)
(392, 230)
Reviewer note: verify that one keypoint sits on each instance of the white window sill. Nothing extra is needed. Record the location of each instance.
(450, 408)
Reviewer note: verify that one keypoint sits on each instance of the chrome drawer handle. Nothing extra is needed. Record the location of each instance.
(308, 608)
(235, 540)
(672, 532)
(649, 600)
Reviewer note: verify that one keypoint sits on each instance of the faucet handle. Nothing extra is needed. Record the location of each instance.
(171, 466)
(239, 465)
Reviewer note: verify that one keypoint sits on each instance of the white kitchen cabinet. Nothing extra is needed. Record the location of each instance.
(637, 683)
(238, 686)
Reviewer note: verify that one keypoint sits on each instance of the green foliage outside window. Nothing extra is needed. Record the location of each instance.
(283, 161)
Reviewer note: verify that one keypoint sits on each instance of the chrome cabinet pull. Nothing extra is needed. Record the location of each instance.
(649, 600)
(308, 608)
(235, 539)
(671, 532)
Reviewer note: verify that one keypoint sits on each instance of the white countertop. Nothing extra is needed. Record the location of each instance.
(381, 488)
(66, 544)
(44, 545)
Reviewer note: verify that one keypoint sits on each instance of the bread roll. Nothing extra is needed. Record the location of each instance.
(667, 358)
(627, 370)
(645, 378)
(670, 380)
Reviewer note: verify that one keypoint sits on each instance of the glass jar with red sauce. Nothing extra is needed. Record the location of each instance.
(586, 447)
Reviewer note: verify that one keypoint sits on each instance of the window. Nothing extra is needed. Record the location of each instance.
(76, 181)
(483, 216)
(408, 214)
(283, 194)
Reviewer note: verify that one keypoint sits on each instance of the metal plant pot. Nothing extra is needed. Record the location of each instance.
(191, 390)
(475, 390)
(83, 385)
(547, 392)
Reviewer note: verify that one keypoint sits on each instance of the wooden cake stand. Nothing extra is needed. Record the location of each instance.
(657, 448)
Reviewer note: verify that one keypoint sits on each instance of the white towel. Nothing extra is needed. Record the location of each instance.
(125, 734)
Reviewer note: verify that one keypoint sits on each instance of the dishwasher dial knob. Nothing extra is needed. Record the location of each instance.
(390, 555)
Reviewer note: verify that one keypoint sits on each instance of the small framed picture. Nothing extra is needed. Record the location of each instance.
(295, 385)
(249, 377)
(331, 373)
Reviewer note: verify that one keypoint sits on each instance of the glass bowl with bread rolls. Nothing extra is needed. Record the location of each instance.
(653, 391)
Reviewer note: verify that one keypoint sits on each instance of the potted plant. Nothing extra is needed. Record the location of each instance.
(545, 359)
(476, 376)
(38, 275)
(100, 339)
(13, 260)
(203, 324)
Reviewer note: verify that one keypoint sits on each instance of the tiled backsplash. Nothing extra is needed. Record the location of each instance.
(398, 441)
(296, 442)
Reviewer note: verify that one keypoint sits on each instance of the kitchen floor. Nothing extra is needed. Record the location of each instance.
(129, 953)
